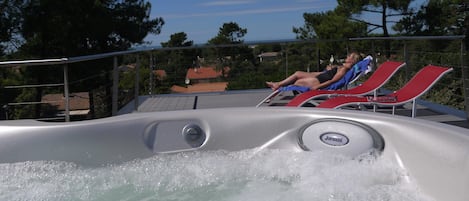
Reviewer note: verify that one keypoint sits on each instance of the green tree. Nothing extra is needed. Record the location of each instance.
(331, 25)
(436, 18)
(229, 33)
(354, 9)
(7, 78)
(10, 21)
(386, 8)
(229, 46)
(178, 40)
(177, 59)
(231, 52)
(81, 27)
(440, 18)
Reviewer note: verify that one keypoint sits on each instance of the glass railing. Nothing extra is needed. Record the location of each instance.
(97, 86)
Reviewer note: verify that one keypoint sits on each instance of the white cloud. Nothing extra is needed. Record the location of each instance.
(244, 12)
(227, 3)
(309, 1)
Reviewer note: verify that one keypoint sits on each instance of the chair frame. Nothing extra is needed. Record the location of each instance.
(377, 79)
(278, 91)
(418, 85)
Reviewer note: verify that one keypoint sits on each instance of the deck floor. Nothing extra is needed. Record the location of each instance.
(250, 98)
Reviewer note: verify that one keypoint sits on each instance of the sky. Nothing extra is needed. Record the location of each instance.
(263, 19)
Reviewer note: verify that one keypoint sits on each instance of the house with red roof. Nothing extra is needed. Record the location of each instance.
(79, 104)
(203, 79)
(268, 56)
(160, 74)
(203, 75)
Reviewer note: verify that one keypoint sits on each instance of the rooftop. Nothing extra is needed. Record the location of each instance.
(200, 87)
(78, 101)
(203, 73)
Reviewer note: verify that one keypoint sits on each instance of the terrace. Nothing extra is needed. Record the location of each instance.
(125, 92)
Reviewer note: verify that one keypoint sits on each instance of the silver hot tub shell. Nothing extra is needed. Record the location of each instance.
(435, 155)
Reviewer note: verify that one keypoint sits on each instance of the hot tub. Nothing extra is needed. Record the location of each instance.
(433, 156)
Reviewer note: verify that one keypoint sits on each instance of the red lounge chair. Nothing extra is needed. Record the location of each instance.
(382, 74)
(359, 69)
(416, 87)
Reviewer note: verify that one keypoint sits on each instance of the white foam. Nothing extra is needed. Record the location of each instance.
(266, 175)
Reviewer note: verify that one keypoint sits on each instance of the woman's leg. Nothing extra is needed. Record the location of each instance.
(292, 78)
(310, 82)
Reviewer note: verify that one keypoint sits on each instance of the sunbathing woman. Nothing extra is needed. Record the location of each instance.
(318, 80)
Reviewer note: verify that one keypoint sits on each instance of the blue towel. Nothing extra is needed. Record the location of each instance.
(300, 89)
(356, 70)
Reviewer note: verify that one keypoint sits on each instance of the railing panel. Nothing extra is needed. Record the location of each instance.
(132, 73)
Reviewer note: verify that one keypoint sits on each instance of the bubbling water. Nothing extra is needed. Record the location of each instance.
(218, 175)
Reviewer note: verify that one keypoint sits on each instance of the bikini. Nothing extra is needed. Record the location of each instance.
(326, 75)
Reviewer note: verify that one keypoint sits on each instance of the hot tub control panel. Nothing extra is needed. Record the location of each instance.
(340, 136)
(173, 136)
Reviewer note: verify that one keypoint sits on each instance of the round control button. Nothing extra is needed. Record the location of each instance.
(194, 135)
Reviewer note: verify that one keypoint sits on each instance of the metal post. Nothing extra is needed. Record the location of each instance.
(375, 65)
(373, 53)
(150, 90)
(137, 79)
(318, 55)
(465, 80)
(5, 108)
(286, 61)
(406, 60)
(115, 87)
(66, 94)
(465, 50)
